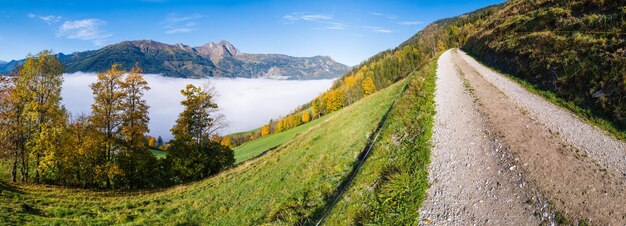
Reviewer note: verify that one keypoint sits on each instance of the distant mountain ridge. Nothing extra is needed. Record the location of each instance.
(220, 59)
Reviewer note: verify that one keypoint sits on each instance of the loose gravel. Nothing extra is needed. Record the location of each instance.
(607, 150)
(470, 185)
(505, 156)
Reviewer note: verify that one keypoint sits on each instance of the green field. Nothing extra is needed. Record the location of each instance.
(158, 153)
(254, 148)
(288, 185)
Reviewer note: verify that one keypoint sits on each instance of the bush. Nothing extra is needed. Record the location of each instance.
(195, 161)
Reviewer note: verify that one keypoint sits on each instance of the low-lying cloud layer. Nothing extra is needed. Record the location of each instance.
(246, 103)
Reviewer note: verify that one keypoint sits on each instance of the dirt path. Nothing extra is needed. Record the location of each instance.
(545, 159)
(470, 183)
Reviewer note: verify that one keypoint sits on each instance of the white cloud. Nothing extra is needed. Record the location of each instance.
(396, 19)
(320, 18)
(174, 24)
(296, 16)
(246, 103)
(336, 26)
(50, 19)
(87, 30)
(388, 16)
(173, 18)
(410, 22)
(378, 29)
(179, 30)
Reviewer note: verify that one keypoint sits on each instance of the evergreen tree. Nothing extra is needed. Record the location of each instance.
(159, 142)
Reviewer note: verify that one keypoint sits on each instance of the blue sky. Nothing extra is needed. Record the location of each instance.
(347, 30)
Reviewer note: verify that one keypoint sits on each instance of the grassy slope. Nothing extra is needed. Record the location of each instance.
(254, 148)
(391, 184)
(284, 186)
(567, 51)
(158, 153)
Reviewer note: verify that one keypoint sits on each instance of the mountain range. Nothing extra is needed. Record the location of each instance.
(220, 59)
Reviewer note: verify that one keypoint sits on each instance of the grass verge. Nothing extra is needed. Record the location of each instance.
(391, 185)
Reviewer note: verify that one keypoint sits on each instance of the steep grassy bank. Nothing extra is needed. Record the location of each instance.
(572, 52)
(284, 186)
(391, 185)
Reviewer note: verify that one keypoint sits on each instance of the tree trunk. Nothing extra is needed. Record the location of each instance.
(24, 164)
(37, 179)
(14, 167)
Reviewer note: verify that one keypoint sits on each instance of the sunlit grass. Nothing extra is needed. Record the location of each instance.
(256, 147)
(392, 183)
(287, 185)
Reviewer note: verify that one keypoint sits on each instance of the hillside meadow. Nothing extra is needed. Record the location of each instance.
(288, 185)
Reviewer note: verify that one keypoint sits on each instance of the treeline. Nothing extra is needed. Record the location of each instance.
(378, 72)
(43, 143)
(575, 49)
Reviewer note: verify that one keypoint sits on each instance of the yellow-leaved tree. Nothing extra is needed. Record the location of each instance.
(368, 86)
(265, 130)
(306, 117)
(106, 118)
(227, 141)
(39, 85)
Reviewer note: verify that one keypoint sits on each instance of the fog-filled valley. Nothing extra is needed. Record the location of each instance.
(246, 103)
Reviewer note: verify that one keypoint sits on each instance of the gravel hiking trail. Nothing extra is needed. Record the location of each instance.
(505, 156)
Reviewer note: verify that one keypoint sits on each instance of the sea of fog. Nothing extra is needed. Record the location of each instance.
(246, 103)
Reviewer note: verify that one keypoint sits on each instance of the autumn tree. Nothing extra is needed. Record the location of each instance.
(265, 130)
(227, 141)
(135, 160)
(368, 86)
(78, 166)
(279, 126)
(199, 119)
(39, 84)
(107, 117)
(134, 109)
(306, 117)
(151, 142)
(288, 122)
(334, 100)
(193, 155)
(13, 125)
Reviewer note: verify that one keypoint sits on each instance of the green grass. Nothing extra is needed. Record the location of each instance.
(285, 186)
(391, 185)
(254, 148)
(247, 133)
(158, 153)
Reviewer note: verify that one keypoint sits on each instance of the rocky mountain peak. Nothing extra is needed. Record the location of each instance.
(217, 51)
